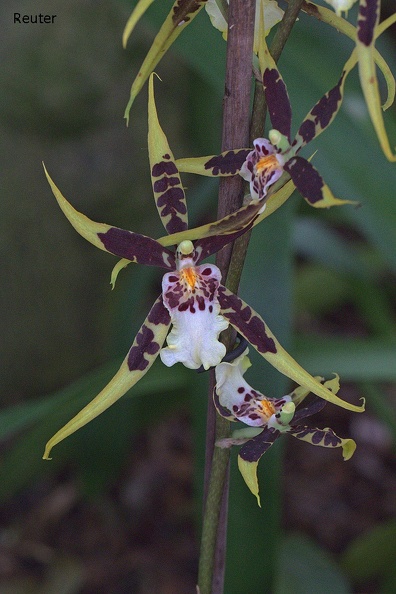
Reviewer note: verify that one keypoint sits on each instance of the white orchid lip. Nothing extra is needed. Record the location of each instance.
(247, 404)
(190, 296)
(233, 354)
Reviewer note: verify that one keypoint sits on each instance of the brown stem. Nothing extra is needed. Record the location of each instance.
(230, 260)
(236, 116)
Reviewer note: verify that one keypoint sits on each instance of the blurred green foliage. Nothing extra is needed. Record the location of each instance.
(67, 323)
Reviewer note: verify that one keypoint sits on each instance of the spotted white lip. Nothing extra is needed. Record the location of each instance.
(190, 296)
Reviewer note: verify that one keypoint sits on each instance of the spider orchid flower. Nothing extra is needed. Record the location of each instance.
(271, 158)
(268, 14)
(267, 418)
(193, 302)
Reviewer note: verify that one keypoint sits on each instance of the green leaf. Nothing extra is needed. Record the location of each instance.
(202, 48)
(304, 567)
(354, 359)
(318, 290)
(23, 462)
(372, 555)
(136, 364)
(18, 417)
(314, 239)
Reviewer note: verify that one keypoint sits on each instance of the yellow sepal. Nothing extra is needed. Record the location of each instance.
(82, 224)
(369, 83)
(249, 472)
(136, 15)
(124, 379)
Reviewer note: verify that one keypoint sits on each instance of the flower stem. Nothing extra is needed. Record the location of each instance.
(236, 133)
(236, 117)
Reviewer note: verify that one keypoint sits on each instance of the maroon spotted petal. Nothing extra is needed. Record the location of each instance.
(320, 437)
(306, 178)
(367, 20)
(169, 194)
(183, 10)
(207, 246)
(256, 447)
(278, 101)
(321, 115)
(315, 406)
(246, 321)
(137, 248)
(227, 163)
(146, 346)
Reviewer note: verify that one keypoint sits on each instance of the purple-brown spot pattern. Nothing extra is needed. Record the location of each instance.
(367, 20)
(227, 163)
(145, 347)
(278, 101)
(137, 248)
(246, 321)
(169, 195)
(306, 179)
(320, 437)
(181, 296)
(183, 9)
(322, 114)
(256, 447)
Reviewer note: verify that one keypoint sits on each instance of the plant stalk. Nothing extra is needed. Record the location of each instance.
(236, 117)
(230, 260)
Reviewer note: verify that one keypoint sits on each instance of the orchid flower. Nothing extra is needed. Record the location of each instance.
(268, 14)
(267, 418)
(276, 156)
(193, 302)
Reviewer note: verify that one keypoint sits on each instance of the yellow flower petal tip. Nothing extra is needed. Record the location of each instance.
(348, 448)
(249, 472)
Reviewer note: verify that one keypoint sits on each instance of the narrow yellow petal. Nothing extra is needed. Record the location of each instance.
(179, 17)
(132, 369)
(343, 26)
(136, 15)
(165, 178)
(348, 448)
(249, 472)
(123, 263)
(369, 83)
(251, 325)
(82, 224)
(225, 226)
(276, 200)
(284, 363)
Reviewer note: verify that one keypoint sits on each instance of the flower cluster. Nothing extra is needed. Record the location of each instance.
(185, 322)
(193, 303)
